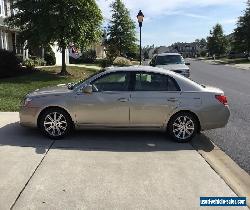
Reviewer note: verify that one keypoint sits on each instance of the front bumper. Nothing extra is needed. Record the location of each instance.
(28, 116)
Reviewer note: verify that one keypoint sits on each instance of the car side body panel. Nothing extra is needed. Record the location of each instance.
(131, 109)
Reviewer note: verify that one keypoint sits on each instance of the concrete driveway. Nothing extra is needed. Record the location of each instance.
(101, 170)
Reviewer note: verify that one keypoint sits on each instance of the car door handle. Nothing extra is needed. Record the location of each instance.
(172, 99)
(123, 99)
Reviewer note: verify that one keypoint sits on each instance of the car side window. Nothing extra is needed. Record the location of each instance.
(150, 82)
(172, 85)
(155, 82)
(117, 81)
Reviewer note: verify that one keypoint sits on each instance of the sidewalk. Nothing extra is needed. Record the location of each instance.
(102, 170)
(75, 65)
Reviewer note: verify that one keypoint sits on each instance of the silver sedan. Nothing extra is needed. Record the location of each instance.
(127, 98)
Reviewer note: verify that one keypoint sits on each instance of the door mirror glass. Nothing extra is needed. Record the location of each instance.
(88, 89)
(188, 64)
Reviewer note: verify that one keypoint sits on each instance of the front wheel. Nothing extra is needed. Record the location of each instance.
(55, 123)
(183, 127)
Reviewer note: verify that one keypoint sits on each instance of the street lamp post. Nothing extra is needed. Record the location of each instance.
(140, 17)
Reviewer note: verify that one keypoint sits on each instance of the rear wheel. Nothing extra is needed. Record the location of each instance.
(55, 123)
(183, 127)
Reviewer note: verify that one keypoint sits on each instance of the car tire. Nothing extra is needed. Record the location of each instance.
(182, 127)
(55, 123)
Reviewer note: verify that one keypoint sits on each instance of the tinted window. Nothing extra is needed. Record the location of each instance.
(154, 82)
(169, 59)
(112, 82)
(172, 85)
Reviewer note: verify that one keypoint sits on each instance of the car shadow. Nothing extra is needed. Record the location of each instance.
(92, 140)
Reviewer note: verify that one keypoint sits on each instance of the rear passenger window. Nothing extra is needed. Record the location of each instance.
(154, 82)
(172, 85)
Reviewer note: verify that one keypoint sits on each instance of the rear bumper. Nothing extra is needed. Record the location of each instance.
(217, 119)
(28, 116)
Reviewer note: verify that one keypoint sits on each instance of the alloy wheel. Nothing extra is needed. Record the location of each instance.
(183, 127)
(55, 124)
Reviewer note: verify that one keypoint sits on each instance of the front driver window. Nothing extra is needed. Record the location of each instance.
(112, 82)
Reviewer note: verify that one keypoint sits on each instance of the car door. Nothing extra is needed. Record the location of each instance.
(108, 104)
(153, 98)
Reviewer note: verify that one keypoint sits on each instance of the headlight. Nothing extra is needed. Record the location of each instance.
(26, 101)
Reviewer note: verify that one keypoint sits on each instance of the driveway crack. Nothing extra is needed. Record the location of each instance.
(26, 184)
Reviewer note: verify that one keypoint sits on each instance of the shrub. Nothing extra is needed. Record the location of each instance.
(74, 60)
(203, 54)
(104, 63)
(49, 56)
(20, 57)
(39, 62)
(9, 64)
(29, 64)
(88, 56)
(121, 61)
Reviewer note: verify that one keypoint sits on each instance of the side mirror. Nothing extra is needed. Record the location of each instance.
(88, 89)
(188, 64)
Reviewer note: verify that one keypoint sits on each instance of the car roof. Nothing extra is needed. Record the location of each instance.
(184, 83)
(140, 68)
(164, 54)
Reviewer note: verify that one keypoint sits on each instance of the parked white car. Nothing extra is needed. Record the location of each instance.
(171, 61)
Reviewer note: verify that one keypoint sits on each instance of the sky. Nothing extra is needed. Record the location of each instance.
(170, 21)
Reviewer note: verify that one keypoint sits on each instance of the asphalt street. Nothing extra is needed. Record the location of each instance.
(233, 139)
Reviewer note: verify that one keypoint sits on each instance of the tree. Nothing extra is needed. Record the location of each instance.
(241, 40)
(203, 43)
(217, 42)
(63, 21)
(121, 31)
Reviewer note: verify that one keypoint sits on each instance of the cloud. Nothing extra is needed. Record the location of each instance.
(155, 8)
(229, 21)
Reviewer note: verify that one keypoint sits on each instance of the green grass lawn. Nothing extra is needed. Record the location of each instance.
(12, 90)
(235, 60)
(226, 60)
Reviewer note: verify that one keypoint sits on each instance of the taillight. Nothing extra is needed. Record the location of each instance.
(222, 99)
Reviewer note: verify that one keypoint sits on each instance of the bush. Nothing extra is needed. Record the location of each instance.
(29, 64)
(9, 64)
(203, 54)
(49, 56)
(104, 63)
(88, 56)
(121, 61)
(39, 62)
(20, 57)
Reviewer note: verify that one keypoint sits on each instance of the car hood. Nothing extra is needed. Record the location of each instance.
(56, 90)
(174, 67)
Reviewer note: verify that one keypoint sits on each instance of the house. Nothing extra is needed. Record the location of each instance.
(7, 35)
(188, 50)
(161, 49)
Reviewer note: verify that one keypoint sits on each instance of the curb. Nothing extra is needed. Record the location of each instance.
(234, 176)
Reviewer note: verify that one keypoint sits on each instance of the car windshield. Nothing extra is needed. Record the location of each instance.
(169, 59)
(73, 85)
